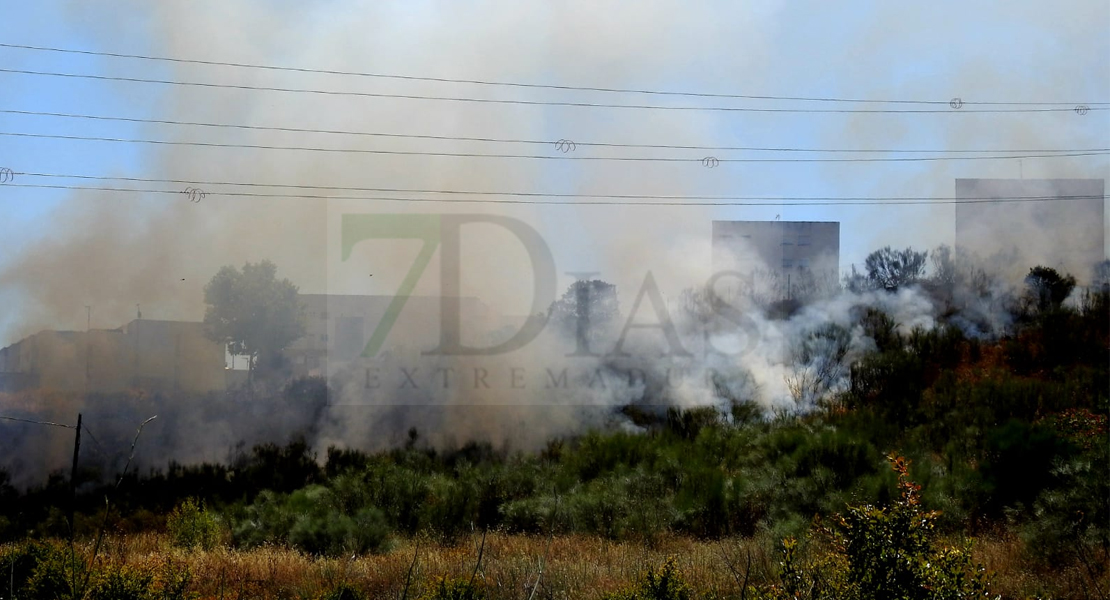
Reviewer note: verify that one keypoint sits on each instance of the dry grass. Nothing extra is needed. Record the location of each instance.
(576, 567)
(1017, 576)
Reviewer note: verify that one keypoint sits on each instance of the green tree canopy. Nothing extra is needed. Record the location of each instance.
(252, 311)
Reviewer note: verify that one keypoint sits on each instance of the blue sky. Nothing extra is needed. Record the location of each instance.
(1025, 51)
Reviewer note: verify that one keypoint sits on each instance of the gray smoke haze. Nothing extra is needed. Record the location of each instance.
(113, 251)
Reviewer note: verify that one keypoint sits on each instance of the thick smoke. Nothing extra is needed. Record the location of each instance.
(114, 251)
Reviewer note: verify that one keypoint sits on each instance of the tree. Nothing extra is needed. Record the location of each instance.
(1100, 276)
(253, 312)
(889, 269)
(587, 310)
(1047, 289)
(817, 363)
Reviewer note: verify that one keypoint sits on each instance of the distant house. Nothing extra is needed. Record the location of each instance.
(144, 354)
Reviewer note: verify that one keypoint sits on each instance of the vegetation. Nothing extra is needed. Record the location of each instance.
(253, 312)
(998, 447)
(586, 312)
(889, 270)
(190, 525)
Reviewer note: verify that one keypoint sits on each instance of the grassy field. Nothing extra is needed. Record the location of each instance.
(569, 566)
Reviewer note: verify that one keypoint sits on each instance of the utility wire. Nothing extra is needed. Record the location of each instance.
(1057, 109)
(519, 84)
(34, 422)
(542, 156)
(514, 140)
(96, 442)
(192, 182)
(884, 202)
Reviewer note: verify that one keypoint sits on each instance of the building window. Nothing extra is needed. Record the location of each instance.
(324, 315)
(323, 337)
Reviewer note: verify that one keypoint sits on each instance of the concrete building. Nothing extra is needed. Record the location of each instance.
(779, 246)
(144, 354)
(777, 260)
(338, 328)
(1062, 226)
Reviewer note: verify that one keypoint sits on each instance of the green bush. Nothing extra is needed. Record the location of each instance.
(122, 582)
(454, 589)
(665, 583)
(450, 508)
(1072, 519)
(191, 525)
(39, 570)
(886, 553)
(311, 520)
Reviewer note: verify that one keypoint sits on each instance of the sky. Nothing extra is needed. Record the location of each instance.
(65, 249)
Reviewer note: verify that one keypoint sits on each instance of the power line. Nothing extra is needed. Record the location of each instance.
(193, 182)
(842, 202)
(516, 140)
(1079, 109)
(542, 156)
(522, 84)
(34, 422)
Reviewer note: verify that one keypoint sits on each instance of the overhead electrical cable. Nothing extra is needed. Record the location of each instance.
(485, 139)
(527, 85)
(332, 92)
(201, 182)
(572, 202)
(557, 156)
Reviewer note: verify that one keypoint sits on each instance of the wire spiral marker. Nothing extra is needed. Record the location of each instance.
(1082, 109)
(956, 103)
(710, 162)
(565, 145)
(195, 194)
(6, 175)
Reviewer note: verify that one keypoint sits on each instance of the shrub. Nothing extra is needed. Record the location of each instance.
(122, 582)
(883, 553)
(191, 525)
(455, 589)
(665, 583)
(343, 592)
(172, 582)
(38, 570)
(312, 520)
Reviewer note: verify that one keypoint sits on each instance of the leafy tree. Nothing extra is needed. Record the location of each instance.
(253, 312)
(1046, 289)
(586, 310)
(889, 269)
